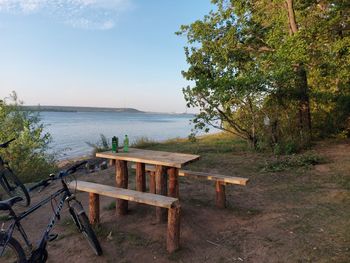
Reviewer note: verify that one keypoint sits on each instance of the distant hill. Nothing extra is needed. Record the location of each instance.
(78, 109)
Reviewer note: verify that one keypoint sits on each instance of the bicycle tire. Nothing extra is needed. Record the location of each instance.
(13, 252)
(81, 220)
(13, 186)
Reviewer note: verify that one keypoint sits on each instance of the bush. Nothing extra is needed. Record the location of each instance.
(27, 155)
(102, 145)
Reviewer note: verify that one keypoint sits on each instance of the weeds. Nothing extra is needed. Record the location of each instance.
(4, 218)
(101, 146)
(110, 206)
(293, 161)
(143, 142)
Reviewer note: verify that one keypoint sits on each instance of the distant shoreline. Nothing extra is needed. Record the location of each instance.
(78, 109)
(45, 108)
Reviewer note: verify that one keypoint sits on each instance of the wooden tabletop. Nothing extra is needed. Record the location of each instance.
(169, 159)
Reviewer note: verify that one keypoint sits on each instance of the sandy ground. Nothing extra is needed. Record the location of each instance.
(293, 216)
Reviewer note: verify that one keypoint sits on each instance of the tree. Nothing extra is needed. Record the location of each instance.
(252, 60)
(27, 155)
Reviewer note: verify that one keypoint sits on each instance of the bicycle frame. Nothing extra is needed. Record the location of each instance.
(67, 196)
(3, 180)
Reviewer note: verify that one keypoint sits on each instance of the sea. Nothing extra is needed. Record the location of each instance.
(72, 131)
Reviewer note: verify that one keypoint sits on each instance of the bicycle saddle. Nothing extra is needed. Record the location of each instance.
(7, 204)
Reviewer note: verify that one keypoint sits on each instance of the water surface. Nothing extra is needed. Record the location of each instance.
(71, 130)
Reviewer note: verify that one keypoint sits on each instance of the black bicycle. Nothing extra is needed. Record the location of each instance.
(9, 181)
(12, 251)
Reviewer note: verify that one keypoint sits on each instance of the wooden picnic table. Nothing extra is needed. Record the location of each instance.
(167, 164)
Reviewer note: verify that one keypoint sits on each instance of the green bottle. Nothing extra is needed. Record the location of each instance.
(114, 144)
(126, 143)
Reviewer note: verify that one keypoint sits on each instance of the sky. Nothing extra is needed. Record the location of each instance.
(100, 53)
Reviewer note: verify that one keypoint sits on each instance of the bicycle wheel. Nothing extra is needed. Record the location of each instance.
(13, 186)
(83, 224)
(13, 252)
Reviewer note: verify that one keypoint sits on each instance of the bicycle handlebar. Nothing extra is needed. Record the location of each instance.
(42, 183)
(61, 174)
(6, 144)
(74, 168)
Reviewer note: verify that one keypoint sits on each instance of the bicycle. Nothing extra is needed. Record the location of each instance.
(10, 248)
(9, 181)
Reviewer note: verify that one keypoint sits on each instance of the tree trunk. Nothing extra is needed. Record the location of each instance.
(291, 17)
(304, 105)
(301, 84)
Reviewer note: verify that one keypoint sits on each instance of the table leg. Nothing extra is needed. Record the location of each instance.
(152, 182)
(121, 169)
(161, 189)
(140, 177)
(173, 174)
(111, 162)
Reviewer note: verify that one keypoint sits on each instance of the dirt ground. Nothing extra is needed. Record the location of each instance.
(300, 214)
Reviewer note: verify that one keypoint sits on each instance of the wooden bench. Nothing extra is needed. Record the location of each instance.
(220, 182)
(172, 204)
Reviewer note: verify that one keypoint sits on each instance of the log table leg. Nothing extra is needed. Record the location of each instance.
(140, 177)
(152, 182)
(161, 189)
(220, 194)
(173, 182)
(122, 182)
(111, 162)
(94, 208)
(173, 232)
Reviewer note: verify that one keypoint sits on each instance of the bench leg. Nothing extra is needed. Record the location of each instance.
(140, 177)
(94, 208)
(173, 232)
(161, 189)
(173, 182)
(122, 182)
(220, 194)
(152, 182)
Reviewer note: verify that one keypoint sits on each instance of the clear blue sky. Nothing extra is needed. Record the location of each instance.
(107, 53)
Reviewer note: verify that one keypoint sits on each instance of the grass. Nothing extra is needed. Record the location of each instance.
(143, 142)
(131, 238)
(293, 161)
(110, 206)
(289, 211)
(4, 218)
(214, 143)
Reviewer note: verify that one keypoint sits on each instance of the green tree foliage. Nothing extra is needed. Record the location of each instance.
(27, 155)
(282, 61)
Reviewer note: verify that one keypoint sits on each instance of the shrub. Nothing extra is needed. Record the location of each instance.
(100, 146)
(27, 155)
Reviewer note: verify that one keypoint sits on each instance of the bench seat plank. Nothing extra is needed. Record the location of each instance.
(207, 176)
(215, 177)
(126, 194)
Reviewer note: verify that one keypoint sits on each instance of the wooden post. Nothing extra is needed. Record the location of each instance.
(220, 194)
(173, 182)
(111, 162)
(94, 208)
(152, 182)
(140, 177)
(161, 189)
(122, 182)
(173, 232)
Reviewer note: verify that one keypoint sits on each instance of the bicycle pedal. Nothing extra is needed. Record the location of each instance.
(52, 237)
